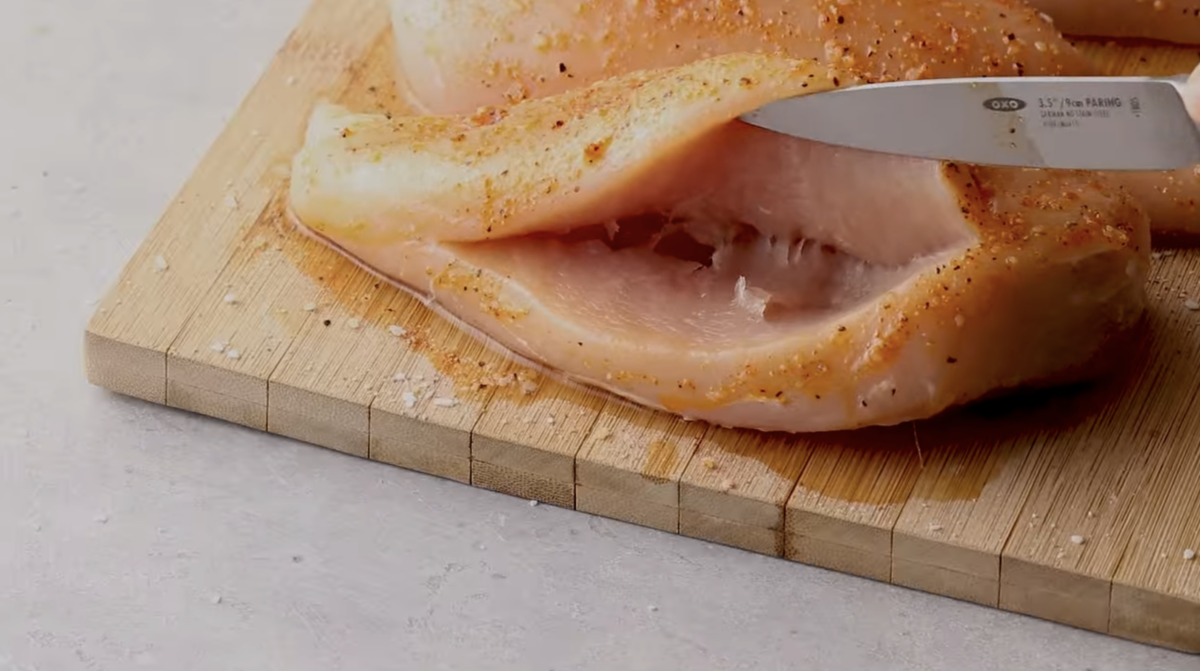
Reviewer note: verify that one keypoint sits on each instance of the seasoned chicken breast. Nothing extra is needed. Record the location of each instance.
(635, 236)
(455, 57)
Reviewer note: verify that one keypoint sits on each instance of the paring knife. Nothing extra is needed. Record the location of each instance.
(1087, 123)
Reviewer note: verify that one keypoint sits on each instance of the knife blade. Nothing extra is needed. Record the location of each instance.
(1087, 123)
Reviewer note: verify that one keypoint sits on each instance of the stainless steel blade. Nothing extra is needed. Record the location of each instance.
(1089, 123)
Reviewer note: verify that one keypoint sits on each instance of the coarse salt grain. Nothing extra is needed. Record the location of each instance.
(230, 298)
(233, 354)
(443, 402)
(160, 263)
(935, 527)
(218, 347)
(1077, 539)
(231, 201)
(409, 398)
(397, 331)
(310, 307)
(1192, 304)
(354, 323)
(709, 463)
(1189, 554)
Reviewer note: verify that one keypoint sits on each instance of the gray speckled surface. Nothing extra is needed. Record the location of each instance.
(132, 536)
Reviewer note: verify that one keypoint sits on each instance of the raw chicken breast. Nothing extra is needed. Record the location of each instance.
(455, 57)
(635, 236)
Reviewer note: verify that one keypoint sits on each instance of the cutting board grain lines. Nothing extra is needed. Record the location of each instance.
(1078, 506)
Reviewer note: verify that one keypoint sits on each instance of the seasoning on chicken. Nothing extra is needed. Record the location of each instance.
(455, 57)
(634, 235)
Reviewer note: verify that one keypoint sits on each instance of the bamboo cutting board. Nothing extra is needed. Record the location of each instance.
(1073, 507)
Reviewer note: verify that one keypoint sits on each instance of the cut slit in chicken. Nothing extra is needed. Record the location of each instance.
(634, 236)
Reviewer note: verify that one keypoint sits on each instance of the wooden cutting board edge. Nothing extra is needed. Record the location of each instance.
(217, 277)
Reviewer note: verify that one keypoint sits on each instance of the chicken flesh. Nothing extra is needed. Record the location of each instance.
(455, 57)
(635, 236)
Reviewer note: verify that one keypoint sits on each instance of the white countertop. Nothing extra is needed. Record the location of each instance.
(133, 536)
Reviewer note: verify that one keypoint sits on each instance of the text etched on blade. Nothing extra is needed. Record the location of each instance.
(1068, 112)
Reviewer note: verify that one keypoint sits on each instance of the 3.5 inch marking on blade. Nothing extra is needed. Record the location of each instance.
(1068, 112)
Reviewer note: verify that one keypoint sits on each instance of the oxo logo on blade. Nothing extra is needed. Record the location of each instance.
(1004, 104)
